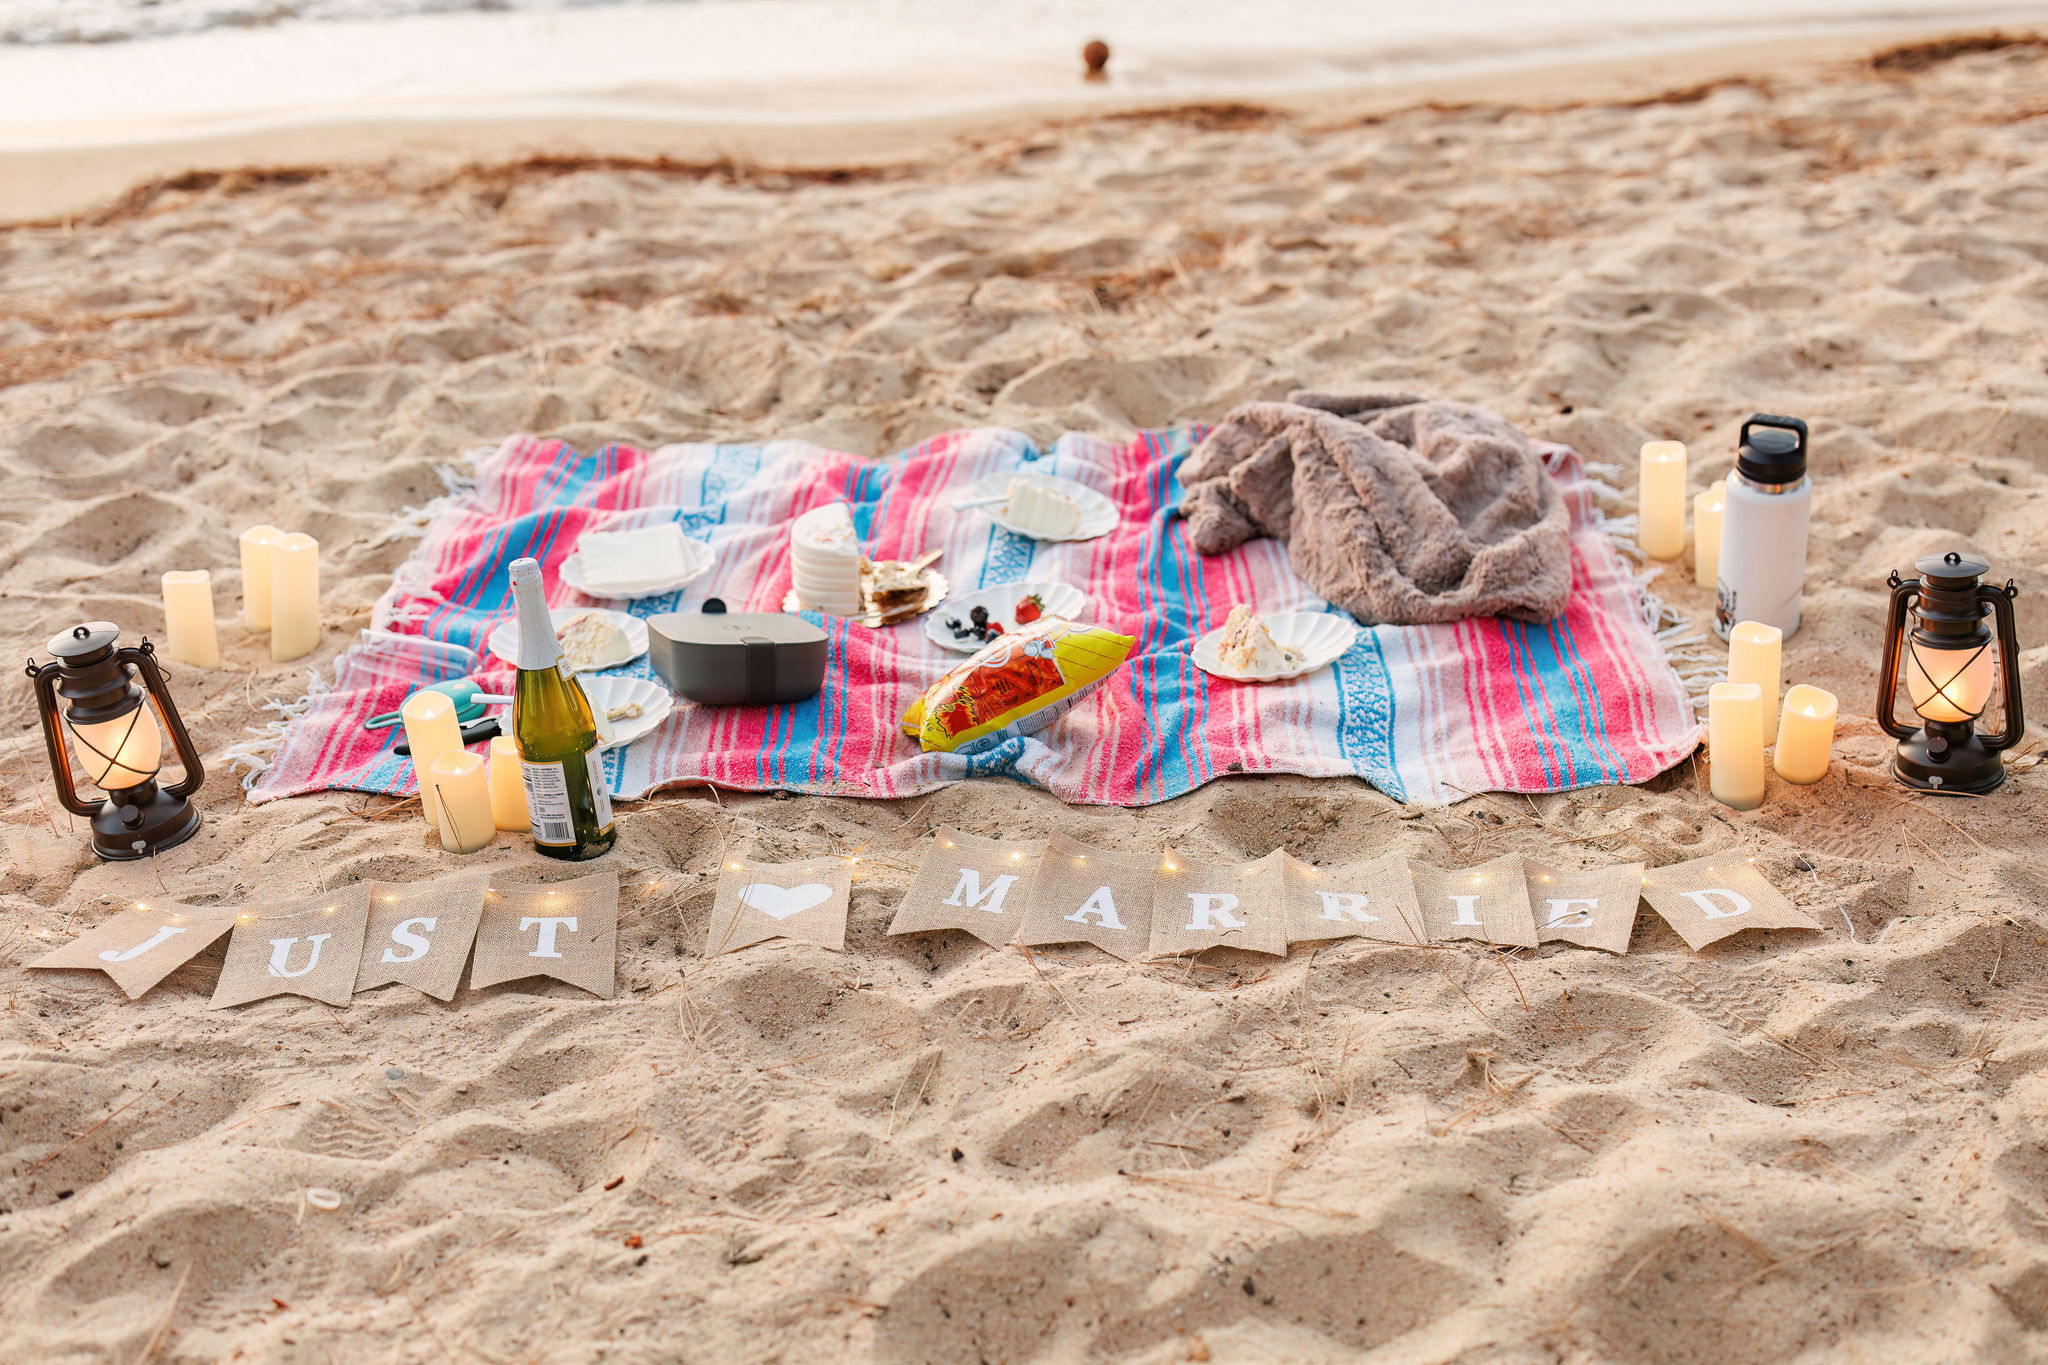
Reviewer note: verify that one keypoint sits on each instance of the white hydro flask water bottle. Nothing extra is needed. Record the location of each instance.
(1763, 527)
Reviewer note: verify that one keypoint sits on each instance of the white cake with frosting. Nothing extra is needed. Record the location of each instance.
(824, 560)
(1041, 509)
(1248, 645)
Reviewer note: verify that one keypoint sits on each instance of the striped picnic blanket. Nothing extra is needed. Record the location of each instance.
(1424, 713)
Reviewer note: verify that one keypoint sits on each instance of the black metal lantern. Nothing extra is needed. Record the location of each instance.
(1946, 661)
(115, 737)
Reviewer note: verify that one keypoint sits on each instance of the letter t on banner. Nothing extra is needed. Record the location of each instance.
(968, 882)
(566, 930)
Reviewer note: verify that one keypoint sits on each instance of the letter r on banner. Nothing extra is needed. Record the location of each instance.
(970, 888)
(546, 946)
(1565, 913)
(1102, 906)
(1705, 901)
(408, 933)
(1341, 905)
(281, 954)
(1213, 911)
(163, 932)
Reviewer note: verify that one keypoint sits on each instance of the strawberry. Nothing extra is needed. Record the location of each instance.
(1030, 609)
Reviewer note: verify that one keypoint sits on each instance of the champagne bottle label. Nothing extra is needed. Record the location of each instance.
(547, 798)
(600, 790)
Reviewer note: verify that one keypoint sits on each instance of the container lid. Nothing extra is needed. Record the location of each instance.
(1955, 570)
(81, 644)
(1773, 449)
(735, 628)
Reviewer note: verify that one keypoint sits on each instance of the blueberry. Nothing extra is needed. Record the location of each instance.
(979, 616)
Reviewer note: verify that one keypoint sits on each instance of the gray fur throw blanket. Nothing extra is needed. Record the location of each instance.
(1398, 509)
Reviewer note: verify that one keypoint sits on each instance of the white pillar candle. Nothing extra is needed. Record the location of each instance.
(1660, 512)
(188, 619)
(294, 597)
(508, 786)
(1735, 744)
(1806, 735)
(256, 543)
(431, 730)
(1706, 534)
(462, 791)
(1756, 655)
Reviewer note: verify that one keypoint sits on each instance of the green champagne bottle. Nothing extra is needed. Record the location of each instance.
(551, 723)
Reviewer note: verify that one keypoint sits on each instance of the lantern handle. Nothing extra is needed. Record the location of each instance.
(1905, 592)
(143, 656)
(60, 759)
(2001, 600)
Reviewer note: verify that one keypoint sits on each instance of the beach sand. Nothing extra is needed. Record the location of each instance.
(1797, 1147)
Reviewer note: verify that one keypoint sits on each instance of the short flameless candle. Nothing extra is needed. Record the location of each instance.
(1806, 735)
(294, 597)
(1660, 514)
(431, 730)
(256, 543)
(1756, 655)
(188, 619)
(1735, 744)
(1706, 533)
(462, 792)
(508, 786)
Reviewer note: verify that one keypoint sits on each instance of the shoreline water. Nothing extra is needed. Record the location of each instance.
(144, 115)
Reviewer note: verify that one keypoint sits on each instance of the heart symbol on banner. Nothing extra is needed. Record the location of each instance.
(780, 902)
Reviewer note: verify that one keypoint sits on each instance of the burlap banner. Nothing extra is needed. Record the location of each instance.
(1091, 895)
(143, 944)
(565, 930)
(310, 947)
(758, 901)
(1710, 898)
(1198, 905)
(971, 883)
(420, 936)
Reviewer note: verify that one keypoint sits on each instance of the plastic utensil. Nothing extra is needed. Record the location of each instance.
(469, 697)
(471, 734)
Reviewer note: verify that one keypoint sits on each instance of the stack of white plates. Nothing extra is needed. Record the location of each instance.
(824, 559)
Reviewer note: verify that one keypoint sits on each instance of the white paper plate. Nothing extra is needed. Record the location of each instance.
(1098, 513)
(607, 693)
(700, 556)
(1061, 599)
(1322, 637)
(504, 641)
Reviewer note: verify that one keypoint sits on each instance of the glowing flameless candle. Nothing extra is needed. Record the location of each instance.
(462, 797)
(1806, 735)
(1660, 514)
(294, 597)
(1706, 533)
(1735, 743)
(431, 730)
(1756, 655)
(188, 619)
(256, 543)
(508, 786)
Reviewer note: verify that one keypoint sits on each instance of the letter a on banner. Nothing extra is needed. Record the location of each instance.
(1091, 895)
(420, 933)
(306, 947)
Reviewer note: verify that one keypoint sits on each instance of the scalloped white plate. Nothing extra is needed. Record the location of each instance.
(1098, 513)
(608, 694)
(1321, 636)
(1060, 599)
(504, 641)
(701, 559)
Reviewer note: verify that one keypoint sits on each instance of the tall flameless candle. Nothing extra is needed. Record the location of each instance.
(188, 619)
(431, 730)
(1706, 534)
(508, 786)
(1756, 655)
(294, 597)
(1806, 735)
(1735, 743)
(256, 543)
(462, 794)
(1660, 513)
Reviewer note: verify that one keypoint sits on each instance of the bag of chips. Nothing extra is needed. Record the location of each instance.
(1016, 684)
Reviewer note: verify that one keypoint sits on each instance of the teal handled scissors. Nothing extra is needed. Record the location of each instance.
(470, 700)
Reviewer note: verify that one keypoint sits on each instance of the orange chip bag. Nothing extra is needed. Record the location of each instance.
(1019, 683)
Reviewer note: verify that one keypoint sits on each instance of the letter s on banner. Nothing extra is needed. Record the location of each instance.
(403, 935)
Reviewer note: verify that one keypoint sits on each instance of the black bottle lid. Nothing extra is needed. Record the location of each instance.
(1775, 453)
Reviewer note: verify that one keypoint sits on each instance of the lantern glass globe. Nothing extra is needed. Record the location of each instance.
(119, 753)
(1950, 684)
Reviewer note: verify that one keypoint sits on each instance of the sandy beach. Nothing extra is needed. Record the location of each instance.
(1792, 1147)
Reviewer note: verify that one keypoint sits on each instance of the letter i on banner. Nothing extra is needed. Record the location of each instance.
(1488, 903)
(1374, 900)
(1200, 905)
(1594, 908)
(1091, 895)
(1710, 898)
(967, 882)
(308, 947)
(420, 933)
(565, 930)
(143, 944)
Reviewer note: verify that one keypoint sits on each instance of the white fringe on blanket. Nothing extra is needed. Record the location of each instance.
(254, 755)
